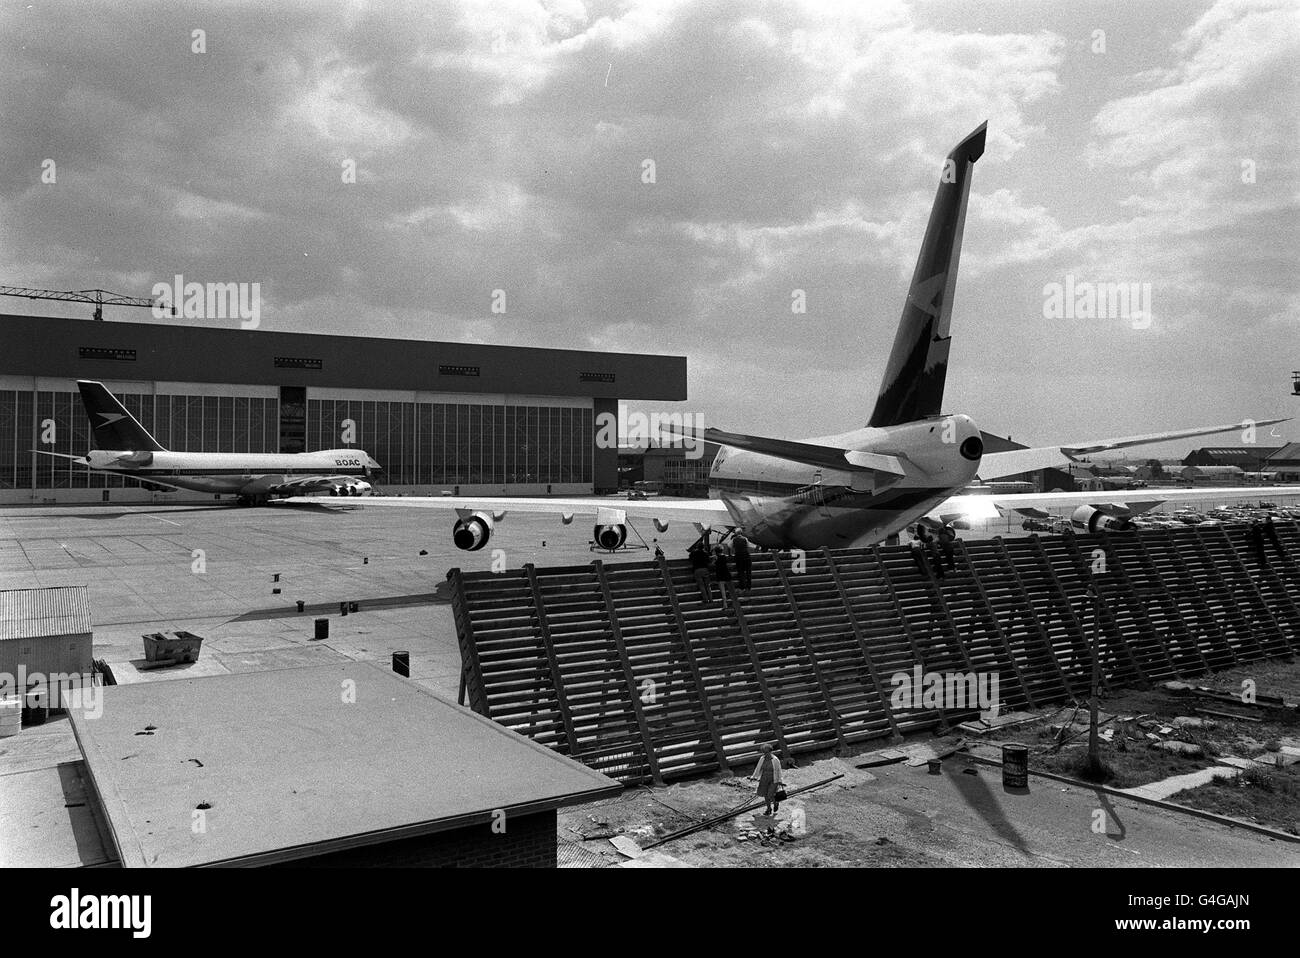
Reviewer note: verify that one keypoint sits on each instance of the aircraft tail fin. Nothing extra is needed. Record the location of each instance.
(110, 424)
(918, 363)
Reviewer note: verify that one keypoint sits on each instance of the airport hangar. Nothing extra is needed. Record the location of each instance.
(462, 418)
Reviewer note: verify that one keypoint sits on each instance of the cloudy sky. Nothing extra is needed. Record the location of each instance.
(795, 146)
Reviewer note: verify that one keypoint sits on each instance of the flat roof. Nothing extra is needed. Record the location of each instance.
(290, 768)
(161, 352)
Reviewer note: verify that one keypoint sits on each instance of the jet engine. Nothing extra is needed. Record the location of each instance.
(353, 487)
(610, 536)
(1094, 520)
(472, 532)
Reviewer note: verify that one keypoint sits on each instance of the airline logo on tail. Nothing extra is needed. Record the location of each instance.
(116, 429)
(924, 295)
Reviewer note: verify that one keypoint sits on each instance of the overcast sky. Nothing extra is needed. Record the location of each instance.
(795, 147)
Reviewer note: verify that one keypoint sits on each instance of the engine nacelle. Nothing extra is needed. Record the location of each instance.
(611, 536)
(473, 532)
(1094, 520)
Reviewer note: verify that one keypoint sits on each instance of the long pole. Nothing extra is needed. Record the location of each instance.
(1094, 743)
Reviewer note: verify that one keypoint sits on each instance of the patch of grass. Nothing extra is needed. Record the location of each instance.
(1201, 737)
(1136, 765)
(1273, 781)
(1083, 768)
(1269, 796)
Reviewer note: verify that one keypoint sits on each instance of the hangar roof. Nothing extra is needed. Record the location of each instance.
(287, 764)
(85, 349)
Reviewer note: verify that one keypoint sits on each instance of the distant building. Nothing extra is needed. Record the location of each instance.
(1245, 458)
(1159, 470)
(458, 417)
(1285, 463)
(1208, 474)
(673, 470)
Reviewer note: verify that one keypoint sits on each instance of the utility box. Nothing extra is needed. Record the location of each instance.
(45, 643)
(172, 647)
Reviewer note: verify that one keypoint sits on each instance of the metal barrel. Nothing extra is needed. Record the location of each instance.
(322, 629)
(1015, 766)
(402, 664)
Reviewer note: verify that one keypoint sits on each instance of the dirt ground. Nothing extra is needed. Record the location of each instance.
(1264, 792)
(645, 814)
(899, 816)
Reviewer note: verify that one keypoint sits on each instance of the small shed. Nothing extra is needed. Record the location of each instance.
(44, 633)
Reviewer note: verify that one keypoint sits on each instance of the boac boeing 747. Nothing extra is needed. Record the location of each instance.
(127, 449)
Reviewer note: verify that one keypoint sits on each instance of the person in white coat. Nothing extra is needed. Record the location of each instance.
(768, 773)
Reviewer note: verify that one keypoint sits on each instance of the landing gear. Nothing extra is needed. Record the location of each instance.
(258, 500)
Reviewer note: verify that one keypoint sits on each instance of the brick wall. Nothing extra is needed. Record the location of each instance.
(528, 842)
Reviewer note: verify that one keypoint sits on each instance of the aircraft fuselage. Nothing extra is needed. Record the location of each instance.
(782, 504)
(244, 474)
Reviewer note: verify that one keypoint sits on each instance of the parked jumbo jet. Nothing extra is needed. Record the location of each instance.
(910, 462)
(127, 449)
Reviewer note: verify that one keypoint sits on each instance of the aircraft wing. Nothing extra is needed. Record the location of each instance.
(1013, 462)
(305, 485)
(663, 511)
(1129, 502)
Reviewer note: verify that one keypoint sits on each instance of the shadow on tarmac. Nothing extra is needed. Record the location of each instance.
(105, 514)
(985, 803)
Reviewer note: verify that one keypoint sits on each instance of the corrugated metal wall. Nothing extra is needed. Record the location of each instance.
(43, 632)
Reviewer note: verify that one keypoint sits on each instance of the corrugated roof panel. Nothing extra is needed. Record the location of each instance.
(30, 613)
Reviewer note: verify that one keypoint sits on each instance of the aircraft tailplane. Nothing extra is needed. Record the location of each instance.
(111, 426)
(918, 363)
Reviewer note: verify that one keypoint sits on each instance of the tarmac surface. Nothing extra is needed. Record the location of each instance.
(210, 570)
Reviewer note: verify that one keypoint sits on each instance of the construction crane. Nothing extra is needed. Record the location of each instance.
(100, 297)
